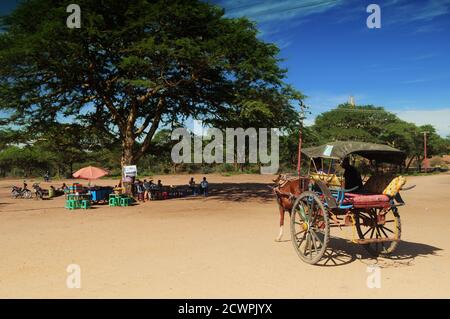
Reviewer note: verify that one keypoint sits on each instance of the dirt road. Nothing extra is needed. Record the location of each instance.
(220, 246)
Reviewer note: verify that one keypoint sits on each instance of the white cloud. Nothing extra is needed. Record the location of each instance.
(277, 16)
(433, 9)
(408, 11)
(425, 56)
(429, 28)
(283, 43)
(414, 81)
(439, 118)
(269, 10)
(308, 122)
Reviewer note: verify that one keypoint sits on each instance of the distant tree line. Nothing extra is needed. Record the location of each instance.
(63, 148)
(369, 123)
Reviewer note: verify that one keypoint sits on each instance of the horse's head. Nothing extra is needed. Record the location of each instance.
(282, 178)
(276, 180)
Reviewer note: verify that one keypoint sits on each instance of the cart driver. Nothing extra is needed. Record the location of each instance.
(351, 175)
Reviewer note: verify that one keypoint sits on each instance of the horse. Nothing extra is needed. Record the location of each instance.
(286, 188)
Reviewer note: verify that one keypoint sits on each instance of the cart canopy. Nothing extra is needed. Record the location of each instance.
(341, 149)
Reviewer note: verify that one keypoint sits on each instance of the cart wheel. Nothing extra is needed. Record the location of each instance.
(370, 226)
(310, 229)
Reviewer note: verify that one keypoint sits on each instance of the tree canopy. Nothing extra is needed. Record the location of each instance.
(137, 65)
(364, 123)
(369, 123)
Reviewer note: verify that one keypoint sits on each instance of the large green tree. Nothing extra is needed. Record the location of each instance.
(363, 123)
(134, 65)
(289, 145)
(69, 144)
(28, 160)
(368, 123)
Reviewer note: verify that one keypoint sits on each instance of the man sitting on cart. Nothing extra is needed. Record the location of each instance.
(351, 175)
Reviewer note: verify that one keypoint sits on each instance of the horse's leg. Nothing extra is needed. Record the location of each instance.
(280, 234)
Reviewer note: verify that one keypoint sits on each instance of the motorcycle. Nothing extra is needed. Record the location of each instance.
(18, 192)
(38, 191)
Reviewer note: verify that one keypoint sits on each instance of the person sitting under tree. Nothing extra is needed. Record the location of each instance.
(204, 186)
(146, 190)
(51, 191)
(139, 190)
(47, 176)
(153, 188)
(192, 186)
(351, 175)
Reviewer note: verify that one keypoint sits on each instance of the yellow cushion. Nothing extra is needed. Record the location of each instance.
(377, 183)
(329, 179)
(394, 186)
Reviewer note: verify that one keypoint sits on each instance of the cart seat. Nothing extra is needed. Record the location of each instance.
(328, 179)
(367, 201)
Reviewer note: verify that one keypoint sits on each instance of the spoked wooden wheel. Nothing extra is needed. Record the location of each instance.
(379, 230)
(310, 229)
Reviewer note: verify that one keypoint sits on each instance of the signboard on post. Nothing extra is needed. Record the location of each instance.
(129, 174)
(130, 171)
(328, 150)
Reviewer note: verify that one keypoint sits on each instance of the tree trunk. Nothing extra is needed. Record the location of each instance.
(127, 152)
(127, 159)
(419, 164)
(409, 163)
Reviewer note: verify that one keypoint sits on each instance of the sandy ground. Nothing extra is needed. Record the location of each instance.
(221, 246)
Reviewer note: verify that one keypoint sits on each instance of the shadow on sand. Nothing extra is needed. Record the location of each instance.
(238, 192)
(341, 252)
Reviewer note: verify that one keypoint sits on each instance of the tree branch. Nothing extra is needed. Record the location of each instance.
(143, 126)
(115, 114)
(155, 123)
(107, 101)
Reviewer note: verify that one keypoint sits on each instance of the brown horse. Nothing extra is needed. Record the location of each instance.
(286, 189)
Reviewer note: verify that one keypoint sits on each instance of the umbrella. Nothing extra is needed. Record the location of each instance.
(90, 172)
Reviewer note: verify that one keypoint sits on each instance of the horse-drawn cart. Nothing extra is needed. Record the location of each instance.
(321, 201)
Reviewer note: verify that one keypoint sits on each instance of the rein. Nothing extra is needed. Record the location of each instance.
(281, 182)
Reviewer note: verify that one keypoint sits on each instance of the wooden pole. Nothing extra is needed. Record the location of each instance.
(300, 138)
(425, 159)
(299, 150)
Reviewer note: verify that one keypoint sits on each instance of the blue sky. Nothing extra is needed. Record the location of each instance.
(330, 53)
